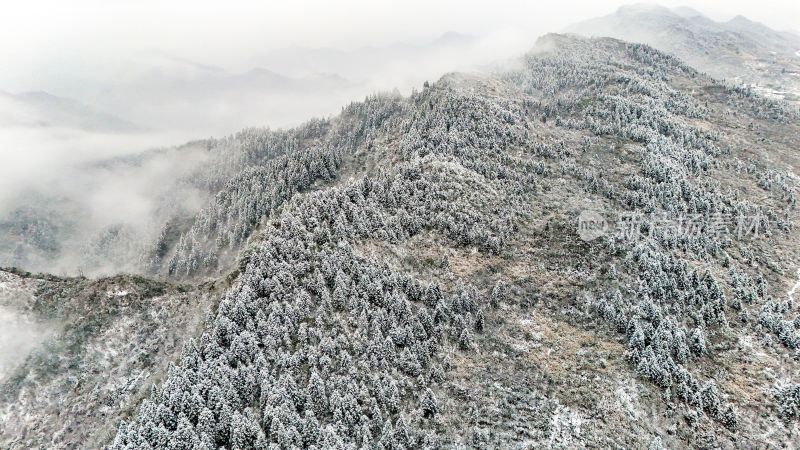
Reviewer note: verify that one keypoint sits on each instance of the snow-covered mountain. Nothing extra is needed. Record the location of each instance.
(739, 50)
(595, 247)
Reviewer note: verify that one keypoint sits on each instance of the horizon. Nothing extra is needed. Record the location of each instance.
(84, 39)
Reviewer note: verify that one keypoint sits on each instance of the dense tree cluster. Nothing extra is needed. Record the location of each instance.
(772, 317)
(316, 346)
(742, 97)
(254, 172)
(664, 321)
(787, 396)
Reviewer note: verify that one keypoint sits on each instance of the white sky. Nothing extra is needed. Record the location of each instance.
(41, 39)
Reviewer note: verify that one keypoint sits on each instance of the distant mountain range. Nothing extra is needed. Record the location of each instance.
(739, 50)
(180, 79)
(357, 63)
(174, 94)
(41, 109)
(280, 87)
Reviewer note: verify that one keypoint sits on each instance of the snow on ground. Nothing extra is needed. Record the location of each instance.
(770, 93)
(794, 288)
(117, 293)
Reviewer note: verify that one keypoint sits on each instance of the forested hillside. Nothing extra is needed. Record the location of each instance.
(416, 273)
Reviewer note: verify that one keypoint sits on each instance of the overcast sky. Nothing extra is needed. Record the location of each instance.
(41, 40)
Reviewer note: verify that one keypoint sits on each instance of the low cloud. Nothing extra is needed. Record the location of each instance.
(91, 173)
(65, 189)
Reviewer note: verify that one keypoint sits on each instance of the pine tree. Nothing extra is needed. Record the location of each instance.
(316, 393)
(498, 294)
(184, 437)
(465, 339)
(697, 341)
(311, 429)
(429, 404)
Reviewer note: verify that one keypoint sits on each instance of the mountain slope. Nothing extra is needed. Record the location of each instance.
(103, 344)
(421, 272)
(739, 50)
